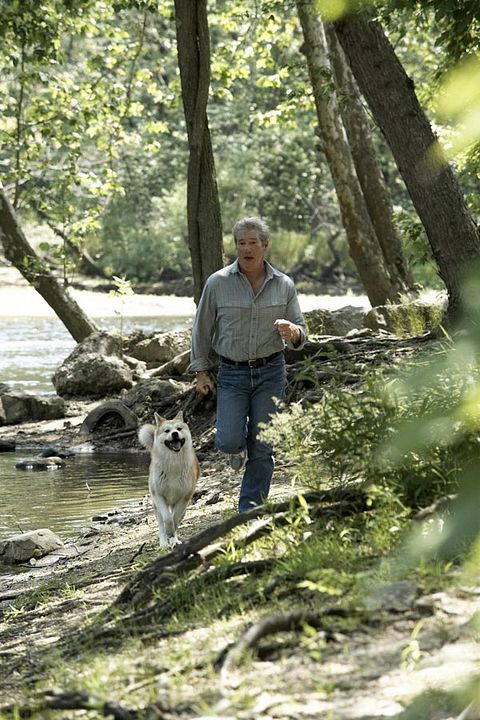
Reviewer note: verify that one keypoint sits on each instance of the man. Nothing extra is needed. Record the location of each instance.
(247, 314)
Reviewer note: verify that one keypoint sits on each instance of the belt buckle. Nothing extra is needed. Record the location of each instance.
(251, 363)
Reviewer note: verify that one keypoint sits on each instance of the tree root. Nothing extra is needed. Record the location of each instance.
(200, 550)
(294, 620)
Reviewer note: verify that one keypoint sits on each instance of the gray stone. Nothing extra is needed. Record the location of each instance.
(17, 407)
(25, 546)
(41, 463)
(398, 596)
(334, 322)
(161, 348)
(94, 369)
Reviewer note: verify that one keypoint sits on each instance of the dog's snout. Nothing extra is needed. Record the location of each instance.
(175, 435)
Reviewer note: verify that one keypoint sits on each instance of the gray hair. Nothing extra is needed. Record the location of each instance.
(251, 223)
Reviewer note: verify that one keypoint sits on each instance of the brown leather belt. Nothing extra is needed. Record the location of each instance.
(259, 362)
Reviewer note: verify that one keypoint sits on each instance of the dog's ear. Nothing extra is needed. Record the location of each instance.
(158, 419)
(179, 416)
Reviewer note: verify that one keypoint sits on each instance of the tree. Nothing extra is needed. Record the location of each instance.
(364, 247)
(20, 253)
(369, 173)
(430, 181)
(203, 207)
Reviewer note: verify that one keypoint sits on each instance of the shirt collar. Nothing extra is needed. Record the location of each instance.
(269, 269)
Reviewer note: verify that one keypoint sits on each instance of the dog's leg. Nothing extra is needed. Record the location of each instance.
(178, 512)
(166, 522)
(158, 502)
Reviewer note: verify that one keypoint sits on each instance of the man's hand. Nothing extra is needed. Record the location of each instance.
(288, 331)
(204, 383)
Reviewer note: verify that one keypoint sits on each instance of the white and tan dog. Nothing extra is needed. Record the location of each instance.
(174, 471)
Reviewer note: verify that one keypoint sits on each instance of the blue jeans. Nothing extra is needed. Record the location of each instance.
(244, 400)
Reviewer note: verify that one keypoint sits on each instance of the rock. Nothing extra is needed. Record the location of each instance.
(115, 410)
(335, 322)
(158, 349)
(41, 463)
(4, 388)
(94, 369)
(24, 546)
(154, 393)
(56, 452)
(406, 319)
(7, 445)
(398, 597)
(17, 407)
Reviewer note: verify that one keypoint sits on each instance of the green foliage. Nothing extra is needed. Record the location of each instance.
(360, 434)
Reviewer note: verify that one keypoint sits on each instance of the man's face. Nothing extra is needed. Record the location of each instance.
(250, 251)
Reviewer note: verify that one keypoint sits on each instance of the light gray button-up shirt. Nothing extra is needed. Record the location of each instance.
(236, 323)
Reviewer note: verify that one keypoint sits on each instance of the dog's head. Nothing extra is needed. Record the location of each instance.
(173, 434)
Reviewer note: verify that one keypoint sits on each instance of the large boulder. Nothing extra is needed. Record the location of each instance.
(152, 394)
(406, 319)
(160, 348)
(334, 322)
(94, 369)
(25, 546)
(18, 407)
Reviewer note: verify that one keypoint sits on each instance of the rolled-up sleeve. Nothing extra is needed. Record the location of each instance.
(294, 314)
(202, 331)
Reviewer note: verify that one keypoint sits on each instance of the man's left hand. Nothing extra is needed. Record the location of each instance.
(288, 331)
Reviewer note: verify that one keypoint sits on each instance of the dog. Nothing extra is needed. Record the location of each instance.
(174, 472)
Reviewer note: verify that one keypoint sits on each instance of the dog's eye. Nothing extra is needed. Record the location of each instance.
(179, 428)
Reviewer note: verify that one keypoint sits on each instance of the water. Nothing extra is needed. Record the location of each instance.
(33, 347)
(65, 500)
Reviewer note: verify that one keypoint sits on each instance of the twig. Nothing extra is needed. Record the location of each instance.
(72, 700)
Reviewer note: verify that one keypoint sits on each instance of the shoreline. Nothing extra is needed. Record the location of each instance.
(19, 299)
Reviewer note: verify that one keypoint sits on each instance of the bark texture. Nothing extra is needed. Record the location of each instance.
(363, 244)
(433, 188)
(20, 253)
(203, 207)
(369, 172)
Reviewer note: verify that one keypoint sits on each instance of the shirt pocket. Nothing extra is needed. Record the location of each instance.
(271, 312)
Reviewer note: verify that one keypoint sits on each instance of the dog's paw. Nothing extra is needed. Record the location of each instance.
(173, 541)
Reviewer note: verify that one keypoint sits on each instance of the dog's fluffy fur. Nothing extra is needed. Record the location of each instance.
(174, 471)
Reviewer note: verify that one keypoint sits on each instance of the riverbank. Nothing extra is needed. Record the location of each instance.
(68, 641)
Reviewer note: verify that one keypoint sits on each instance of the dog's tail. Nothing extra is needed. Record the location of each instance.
(145, 435)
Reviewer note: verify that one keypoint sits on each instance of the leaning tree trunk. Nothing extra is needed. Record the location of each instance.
(435, 193)
(20, 253)
(363, 244)
(369, 173)
(203, 206)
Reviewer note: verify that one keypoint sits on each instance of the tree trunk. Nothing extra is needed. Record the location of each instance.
(369, 173)
(364, 247)
(435, 193)
(203, 206)
(20, 253)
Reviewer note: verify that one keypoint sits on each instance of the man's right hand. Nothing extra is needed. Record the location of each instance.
(204, 383)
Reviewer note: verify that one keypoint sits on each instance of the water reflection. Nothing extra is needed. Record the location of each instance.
(64, 500)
